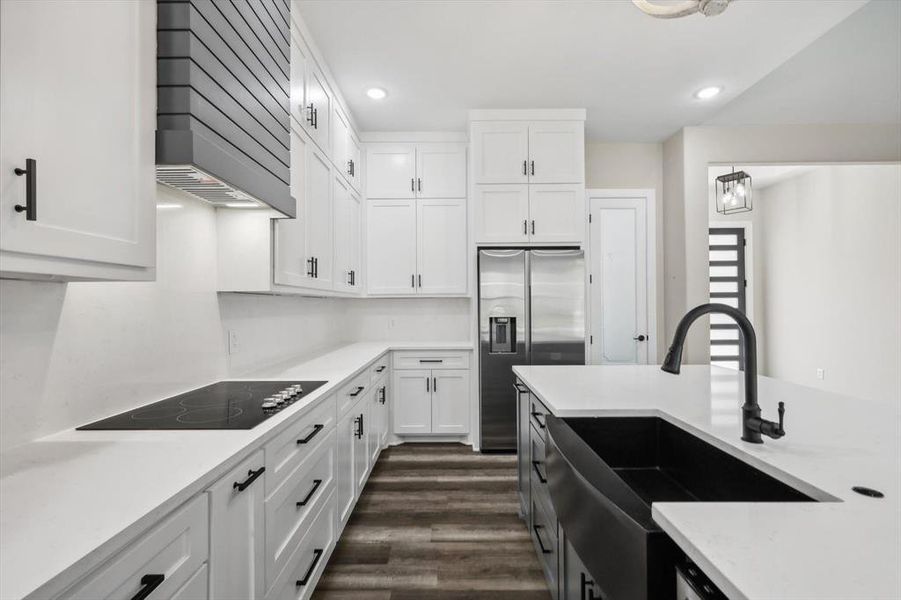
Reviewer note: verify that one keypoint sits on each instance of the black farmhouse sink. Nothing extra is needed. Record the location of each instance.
(603, 475)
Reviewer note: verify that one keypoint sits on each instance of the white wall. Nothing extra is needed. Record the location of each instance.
(830, 244)
(633, 166)
(72, 353)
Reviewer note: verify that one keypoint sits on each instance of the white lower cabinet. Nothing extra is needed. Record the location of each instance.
(378, 420)
(196, 588)
(361, 444)
(432, 400)
(160, 563)
(237, 534)
(345, 486)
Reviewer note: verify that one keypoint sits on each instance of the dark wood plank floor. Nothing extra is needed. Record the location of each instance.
(436, 522)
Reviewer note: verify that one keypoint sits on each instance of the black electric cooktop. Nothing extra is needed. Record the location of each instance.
(222, 405)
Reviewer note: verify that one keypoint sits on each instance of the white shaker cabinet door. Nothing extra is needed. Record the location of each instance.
(556, 213)
(412, 401)
(450, 401)
(356, 175)
(344, 466)
(501, 213)
(441, 170)
(356, 243)
(391, 247)
(500, 152)
(341, 205)
(290, 250)
(319, 105)
(237, 532)
(93, 145)
(442, 246)
(299, 59)
(557, 152)
(391, 171)
(318, 216)
(361, 443)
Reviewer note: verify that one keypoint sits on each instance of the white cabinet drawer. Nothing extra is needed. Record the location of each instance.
(438, 359)
(197, 587)
(353, 391)
(174, 549)
(307, 563)
(379, 368)
(290, 509)
(299, 441)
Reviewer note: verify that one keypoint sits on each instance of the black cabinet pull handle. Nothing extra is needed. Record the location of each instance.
(427, 384)
(316, 429)
(362, 431)
(31, 189)
(358, 429)
(538, 537)
(434, 384)
(541, 477)
(419, 277)
(251, 477)
(431, 360)
(357, 391)
(524, 172)
(382, 395)
(317, 554)
(310, 114)
(380, 369)
(413, 281)
(148, 584)
(586, 585)
(535, 416)
(310, 270)
(419, 184)
(520, 389)
(533, 226)
(533, 167)
(412, 184)
(315, 118)
(316, 484)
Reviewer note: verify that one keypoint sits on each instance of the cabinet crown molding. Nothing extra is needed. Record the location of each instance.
(528, 114)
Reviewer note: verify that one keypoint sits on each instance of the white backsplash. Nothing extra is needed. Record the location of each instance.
(73, 353)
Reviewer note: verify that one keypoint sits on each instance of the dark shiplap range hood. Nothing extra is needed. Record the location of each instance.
(223, 84)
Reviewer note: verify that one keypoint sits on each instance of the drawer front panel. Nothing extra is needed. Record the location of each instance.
(289, 449)
(197, 587)
(544, 536)
(352, 392)
(537, 414)
(538, 475)
(175, 549)
(290, 509)
(307, 563)
(441, 359)
(379, 368)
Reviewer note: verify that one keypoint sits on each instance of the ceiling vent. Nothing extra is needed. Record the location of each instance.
(223, 130)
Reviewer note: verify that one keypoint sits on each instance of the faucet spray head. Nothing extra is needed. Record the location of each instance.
(672, 363)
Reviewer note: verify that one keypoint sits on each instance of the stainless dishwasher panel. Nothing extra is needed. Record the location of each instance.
(503, 310)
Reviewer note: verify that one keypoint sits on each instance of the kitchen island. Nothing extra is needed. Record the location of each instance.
(775, 549)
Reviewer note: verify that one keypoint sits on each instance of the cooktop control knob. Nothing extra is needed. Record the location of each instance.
(269, 403)
(298, 389)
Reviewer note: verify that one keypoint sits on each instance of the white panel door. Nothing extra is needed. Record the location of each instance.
(391, 171)
(557, 152)
(237, 532)
(442, 246)
(77, 95)
(556, 213)
(375, 425)
(342, 232)
(450, 401)
(318, 217)
(298, 108)
(340, 143)
(361, 444)
(412, 402)
(619, 288)
(500, 152)
(290, 247)
(502, 213)
(356, 243)
(319, 105)
(345, 482)
(356, 176)
(391, 247)
(441, 170)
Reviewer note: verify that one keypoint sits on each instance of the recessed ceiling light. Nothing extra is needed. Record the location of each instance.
(376, 93)
(708, 92)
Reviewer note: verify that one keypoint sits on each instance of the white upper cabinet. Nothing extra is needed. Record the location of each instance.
(298, 91)
(318, 105)
(90, 189)
(441, 170)
(318, 215)
(556, 213)
(502, 213)
(557, 152)
(355, 166)
(442, 246)
(391, 252)
(340, 142)
(342, 227)
(391, 171)
(289, 249)
(500, 151)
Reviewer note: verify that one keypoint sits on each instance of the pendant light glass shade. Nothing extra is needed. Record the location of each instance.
(733, 193)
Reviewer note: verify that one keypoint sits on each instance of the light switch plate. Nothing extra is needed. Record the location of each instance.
(232, 341)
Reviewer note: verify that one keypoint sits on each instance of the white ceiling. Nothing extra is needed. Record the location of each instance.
(635, 74)
(762, 176)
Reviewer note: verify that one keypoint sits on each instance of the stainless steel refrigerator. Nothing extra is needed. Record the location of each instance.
(531, 312)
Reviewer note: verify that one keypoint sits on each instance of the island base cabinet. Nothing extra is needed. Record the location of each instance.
(174, 551)
(237, 535)
(306, 565)
(575, 583)
(544, 537)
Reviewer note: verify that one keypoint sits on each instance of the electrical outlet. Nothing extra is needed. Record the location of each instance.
(821, 374)
(392, 323)
(232, 341)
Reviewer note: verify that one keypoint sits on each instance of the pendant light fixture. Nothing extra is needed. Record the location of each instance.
(733, 193)
(673, 10)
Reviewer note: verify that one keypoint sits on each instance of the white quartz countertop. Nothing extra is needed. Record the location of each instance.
(846, 547)
(70, 500)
